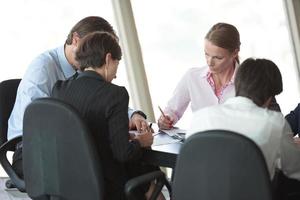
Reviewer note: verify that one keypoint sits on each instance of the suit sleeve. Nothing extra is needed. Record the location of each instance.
(293, 120)
(290, 160)
(123, 149)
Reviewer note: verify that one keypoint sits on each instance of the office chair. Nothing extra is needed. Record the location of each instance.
(60, 159)
(157, 176)
(285, 188)
(218, 164)
(8, 91)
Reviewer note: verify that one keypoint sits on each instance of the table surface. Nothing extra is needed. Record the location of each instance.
(163, 152)
(170, 145)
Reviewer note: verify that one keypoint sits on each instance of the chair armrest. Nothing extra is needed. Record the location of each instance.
(147, 178)
(7, 146)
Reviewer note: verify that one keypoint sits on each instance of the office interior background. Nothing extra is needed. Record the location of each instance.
(171, 36)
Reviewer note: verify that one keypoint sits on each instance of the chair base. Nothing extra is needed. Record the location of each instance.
(10, 184)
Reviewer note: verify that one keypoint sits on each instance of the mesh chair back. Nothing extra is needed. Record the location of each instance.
(218, 164)
(59, 155)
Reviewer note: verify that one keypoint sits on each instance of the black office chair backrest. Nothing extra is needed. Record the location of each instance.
(8, 91)
(221, 165)
(60, 159)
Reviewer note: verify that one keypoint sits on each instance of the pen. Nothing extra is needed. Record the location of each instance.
(154, 134)
(169, 120)
(162, 112)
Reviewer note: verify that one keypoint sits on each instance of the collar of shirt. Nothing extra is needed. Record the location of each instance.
(90, 74)
(207, 72)
(66, 67)
(244, 101)
(211, 82)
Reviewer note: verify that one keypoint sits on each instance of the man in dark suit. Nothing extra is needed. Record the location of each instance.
(104, 106)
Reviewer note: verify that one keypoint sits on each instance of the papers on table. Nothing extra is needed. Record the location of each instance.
(163, 139)
(176, 133)
(173, 135)
(159, 139)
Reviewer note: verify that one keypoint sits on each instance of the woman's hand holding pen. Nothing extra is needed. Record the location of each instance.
(164, 121)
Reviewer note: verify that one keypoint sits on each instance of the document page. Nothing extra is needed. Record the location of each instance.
(175, 131)
(174, 135)
(159, 140)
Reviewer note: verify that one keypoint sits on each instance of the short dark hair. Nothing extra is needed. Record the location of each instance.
(93, 48)
(258, 79)
(89, 25)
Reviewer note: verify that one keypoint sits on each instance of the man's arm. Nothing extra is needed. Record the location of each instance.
(293, 119)
(289, 155)
(137, 120)
(33, 85)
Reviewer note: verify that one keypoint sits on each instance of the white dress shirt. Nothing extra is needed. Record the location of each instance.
(267, 128)
(195, 89)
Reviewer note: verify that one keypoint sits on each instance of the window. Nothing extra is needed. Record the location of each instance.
(171, 34)
(30, 27)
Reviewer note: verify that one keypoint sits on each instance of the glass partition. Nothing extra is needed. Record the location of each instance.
(171, 34)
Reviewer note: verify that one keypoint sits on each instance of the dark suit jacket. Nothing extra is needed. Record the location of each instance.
(294, 120)
(104, 107)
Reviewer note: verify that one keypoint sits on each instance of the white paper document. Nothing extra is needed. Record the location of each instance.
(174, 135)
(163, 140)
(175, 132)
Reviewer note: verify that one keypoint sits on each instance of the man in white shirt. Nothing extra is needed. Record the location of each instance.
(257, 81)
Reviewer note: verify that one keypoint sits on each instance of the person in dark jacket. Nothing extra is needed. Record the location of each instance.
(294, 120)
(104, 107)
